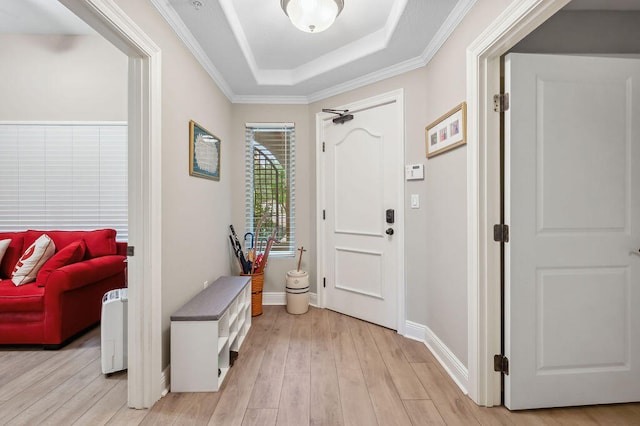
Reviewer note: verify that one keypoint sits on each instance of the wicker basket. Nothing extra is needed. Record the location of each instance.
(257, 283)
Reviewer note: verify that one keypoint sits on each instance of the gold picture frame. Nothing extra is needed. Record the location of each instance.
(447, 132)
(204, 152)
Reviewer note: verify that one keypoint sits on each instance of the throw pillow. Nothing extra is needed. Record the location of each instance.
(4, 245)
(13, 253)
(101, 242)
(72, 253)
(32, 259)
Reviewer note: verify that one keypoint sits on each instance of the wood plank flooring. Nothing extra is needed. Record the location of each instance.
(320, 368)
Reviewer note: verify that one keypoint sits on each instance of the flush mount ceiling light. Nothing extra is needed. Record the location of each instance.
(312, 16)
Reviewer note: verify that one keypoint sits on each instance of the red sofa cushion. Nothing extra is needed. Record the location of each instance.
(13, 253)
(24, 298)
(101, 242)
(72, 253)
(78, 274)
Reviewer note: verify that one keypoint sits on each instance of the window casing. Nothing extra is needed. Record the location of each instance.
(270, 184)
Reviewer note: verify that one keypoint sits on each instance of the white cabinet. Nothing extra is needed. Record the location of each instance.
(204, 332)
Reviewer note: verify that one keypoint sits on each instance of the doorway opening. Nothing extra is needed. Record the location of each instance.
(144, 171)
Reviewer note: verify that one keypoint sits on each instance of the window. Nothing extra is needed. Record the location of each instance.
(270, 184)
(63, 176)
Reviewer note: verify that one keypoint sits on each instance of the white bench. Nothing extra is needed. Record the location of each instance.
(204, 331)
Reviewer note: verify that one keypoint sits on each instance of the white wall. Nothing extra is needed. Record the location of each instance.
(195, 211)
(277, 268)
(61, 78)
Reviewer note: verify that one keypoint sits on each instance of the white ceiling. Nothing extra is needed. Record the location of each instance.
(255, 54)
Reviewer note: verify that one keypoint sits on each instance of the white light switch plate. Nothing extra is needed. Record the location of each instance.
(415, 201)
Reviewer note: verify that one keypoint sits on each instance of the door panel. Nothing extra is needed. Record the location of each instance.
(352, 216)
(362, 172)
(572, 200)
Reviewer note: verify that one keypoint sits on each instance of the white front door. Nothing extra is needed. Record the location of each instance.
(362, 179)
(572, 200)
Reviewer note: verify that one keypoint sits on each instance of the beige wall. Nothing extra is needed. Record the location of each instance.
(61, 78)
(195, 212)
(305, 235)
(446, 305)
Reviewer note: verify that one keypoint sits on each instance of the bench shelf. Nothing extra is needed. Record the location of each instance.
(204, 331)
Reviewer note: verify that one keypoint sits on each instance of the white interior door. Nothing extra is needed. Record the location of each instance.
(572, 200)
(363, 178)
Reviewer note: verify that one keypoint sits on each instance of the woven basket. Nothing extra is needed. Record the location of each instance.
(257, 283)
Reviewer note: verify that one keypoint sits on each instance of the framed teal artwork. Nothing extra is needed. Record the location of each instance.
(204, 152)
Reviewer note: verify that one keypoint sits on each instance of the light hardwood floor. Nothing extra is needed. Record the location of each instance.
(320, 368)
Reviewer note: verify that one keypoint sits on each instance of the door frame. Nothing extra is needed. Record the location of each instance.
(396, 96)
(518, 20)
(145, 382)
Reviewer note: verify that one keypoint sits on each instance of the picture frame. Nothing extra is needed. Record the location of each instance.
(204, 152)
(447, 132)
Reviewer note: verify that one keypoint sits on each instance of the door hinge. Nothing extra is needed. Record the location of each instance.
(322, 146)
(501, 233)
(324, 215)
(501, 102)
(130, 250)
(324, 282)
(501, 364)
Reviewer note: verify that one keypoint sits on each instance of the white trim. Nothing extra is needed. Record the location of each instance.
(270, 125)
(165, 381)
(378, 75)
(64, 123)
(270, 100)
(145, 180)
(451, 364)
(483, 188)
(456, 16)
(341, 56)
(447, 359)
(458, 13)
(175, 22)
(389, 97)
(306, 71)
(274, 298)
(279, 298)
(415, 331)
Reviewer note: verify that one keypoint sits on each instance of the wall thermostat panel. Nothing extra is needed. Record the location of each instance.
(414, 171)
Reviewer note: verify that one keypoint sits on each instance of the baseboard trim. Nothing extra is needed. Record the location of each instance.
(165, 380)
(274, 298)
(280, 298)
(451, 364)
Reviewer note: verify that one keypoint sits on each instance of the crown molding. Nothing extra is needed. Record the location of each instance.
(374, 77)
(444, 32)
(287, 77)
(456, 16)
(177, 24)
(272, 100)
(344, 55)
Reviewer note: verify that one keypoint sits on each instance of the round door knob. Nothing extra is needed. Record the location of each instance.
(389, 231)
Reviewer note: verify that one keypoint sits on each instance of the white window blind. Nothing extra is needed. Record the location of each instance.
(270, 183)
(63, 176)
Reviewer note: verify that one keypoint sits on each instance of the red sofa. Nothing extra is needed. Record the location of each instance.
(66, 297)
